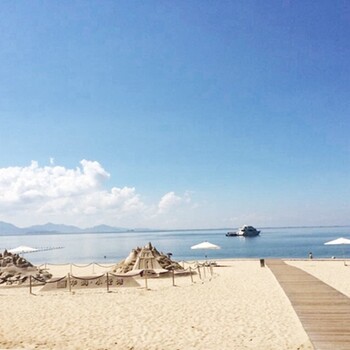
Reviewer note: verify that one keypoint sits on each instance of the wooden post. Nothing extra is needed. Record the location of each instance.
(191, 274)
(173, 275)
(211, 270)
(69, 284)
(145, 276)
(30, 284)
(205, 275)
(199, 272)
(107, 283)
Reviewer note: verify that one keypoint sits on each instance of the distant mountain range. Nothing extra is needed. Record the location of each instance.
(7, 228)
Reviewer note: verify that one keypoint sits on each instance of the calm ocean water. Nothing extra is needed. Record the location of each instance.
(112, 247)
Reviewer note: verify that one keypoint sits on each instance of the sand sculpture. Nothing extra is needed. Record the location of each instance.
(15, 270)
(146, 258)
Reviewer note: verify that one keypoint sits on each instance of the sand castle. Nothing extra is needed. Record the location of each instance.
(146, 258)
(15, 270)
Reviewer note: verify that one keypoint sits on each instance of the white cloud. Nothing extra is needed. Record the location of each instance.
(34, 194)
(34, 183)
(168, 201)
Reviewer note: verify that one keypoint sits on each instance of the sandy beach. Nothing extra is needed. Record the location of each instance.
(241, 306)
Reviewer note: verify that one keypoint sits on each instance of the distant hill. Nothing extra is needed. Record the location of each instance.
(104, 228)
(7, 228)
(52, 228)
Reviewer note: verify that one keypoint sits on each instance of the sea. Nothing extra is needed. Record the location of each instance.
(113, 247)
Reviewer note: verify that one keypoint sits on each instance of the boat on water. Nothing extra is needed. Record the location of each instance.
(245, 231)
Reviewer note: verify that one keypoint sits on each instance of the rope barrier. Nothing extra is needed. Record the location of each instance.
(105, 266)
(196, 263)
(124, 276)
(38, 279)
(56, 280)
(72, 280)
(184, 270)
(82, 266)
(188, 262)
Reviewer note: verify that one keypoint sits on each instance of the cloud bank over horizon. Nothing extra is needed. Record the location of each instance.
(37, 194)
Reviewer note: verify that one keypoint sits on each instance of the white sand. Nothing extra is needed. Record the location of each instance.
(241, 307)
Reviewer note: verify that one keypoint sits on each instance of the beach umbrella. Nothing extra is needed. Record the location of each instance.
(22, 249)
(205, 246)
(339, 241)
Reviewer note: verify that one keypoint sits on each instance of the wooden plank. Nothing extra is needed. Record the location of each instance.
(323, 311)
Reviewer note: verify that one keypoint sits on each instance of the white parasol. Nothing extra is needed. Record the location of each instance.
(205, 246)
(339, 241)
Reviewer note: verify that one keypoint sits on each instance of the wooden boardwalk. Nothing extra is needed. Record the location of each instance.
(323, 311)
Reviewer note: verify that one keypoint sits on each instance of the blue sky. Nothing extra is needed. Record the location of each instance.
(207, 114)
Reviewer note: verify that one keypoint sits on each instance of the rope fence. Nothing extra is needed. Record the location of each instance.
(109, 279)
(79, 266)
(46, 266)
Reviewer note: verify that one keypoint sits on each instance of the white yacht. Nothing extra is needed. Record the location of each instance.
(246, 231)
